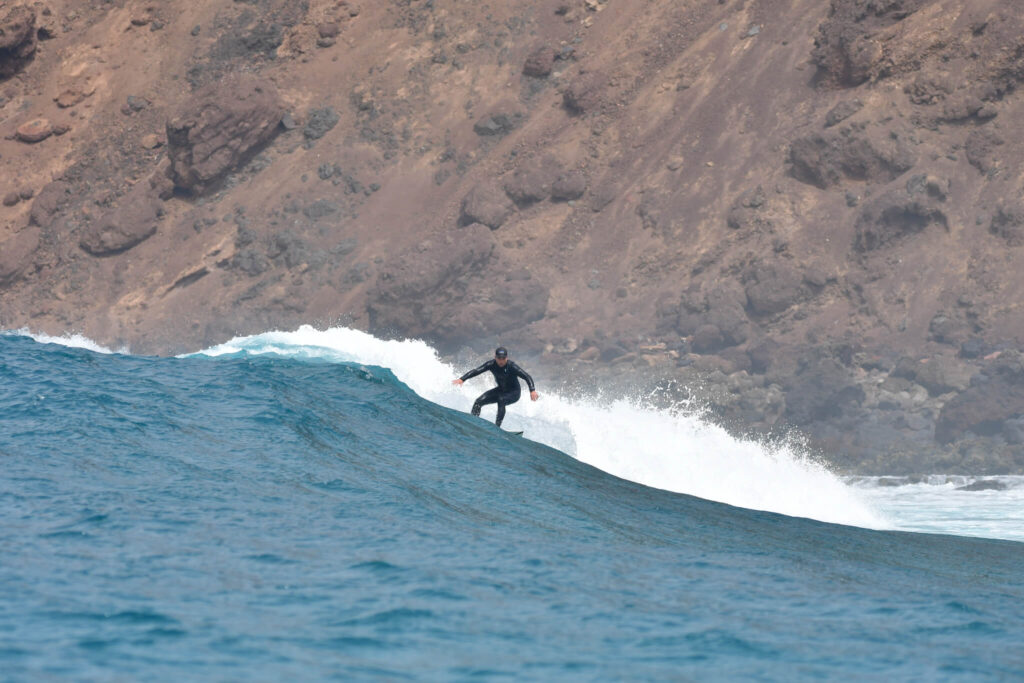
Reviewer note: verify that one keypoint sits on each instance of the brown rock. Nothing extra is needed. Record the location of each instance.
(35, 130)
(328, 29)
(11, 198)
(132, 221)
(223, 125)
(996, 395)
(486, 203)
(878, 154)
(585, 93)
(151, 141)
(568, 186)
(49, 201)
(69, 98)
(16, 255)
(532, 181)
(896, 215)
(17, 39)
(540, 62)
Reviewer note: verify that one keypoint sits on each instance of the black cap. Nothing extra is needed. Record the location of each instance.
(501, 352)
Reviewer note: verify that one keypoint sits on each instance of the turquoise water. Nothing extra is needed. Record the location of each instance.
(245, 517)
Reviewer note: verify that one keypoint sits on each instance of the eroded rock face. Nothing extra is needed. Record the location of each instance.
(221, 127)
(48, 202)
(996, 396)
(846, 50)
(17, 39)
(454, 290)
(132, 221)
(16, 255)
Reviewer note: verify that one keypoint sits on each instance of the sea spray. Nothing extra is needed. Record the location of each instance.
(657, 448)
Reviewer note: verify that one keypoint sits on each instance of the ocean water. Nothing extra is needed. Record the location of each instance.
(319, 505)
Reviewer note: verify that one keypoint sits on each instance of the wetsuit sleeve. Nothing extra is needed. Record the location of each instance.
(476, 371)
(525, 375)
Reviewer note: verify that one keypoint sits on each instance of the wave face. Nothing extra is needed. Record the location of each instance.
(281, 507)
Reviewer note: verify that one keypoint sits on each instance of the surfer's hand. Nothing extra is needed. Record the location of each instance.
(456, 381)
(534, 395)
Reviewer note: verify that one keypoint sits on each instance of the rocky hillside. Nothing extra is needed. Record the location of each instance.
(800, 214)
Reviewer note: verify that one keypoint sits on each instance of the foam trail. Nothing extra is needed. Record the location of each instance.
(651, 447)
(73, 341)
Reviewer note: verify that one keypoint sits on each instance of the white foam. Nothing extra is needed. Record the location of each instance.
(73, 341)
(652, 447)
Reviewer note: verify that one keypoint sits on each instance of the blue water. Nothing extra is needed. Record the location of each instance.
(266, 518)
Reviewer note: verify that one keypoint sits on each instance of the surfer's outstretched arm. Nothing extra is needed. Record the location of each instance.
(473, 373)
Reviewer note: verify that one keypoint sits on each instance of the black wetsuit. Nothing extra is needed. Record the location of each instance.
(508, 390)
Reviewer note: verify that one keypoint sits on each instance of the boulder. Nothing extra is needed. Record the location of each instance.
(585, 93)
(842, 111)
(35, 130)
(532, 181)
(540, 62)
(822, 389)
(132, 221)
(995, 396)
(486, 203)
(220, 128)
(48, 202)
(846, 49)
(896, 215)
(773, 287)
(1008, 223)
(980, 150)
(568, 186)
(17, 39)
(747, 210)
(16, 255)
(500, 121)
(878, 155)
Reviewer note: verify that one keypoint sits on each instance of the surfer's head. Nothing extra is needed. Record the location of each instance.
(501, 355)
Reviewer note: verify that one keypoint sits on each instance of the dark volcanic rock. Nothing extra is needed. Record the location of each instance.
(995, 396)
(774, 287)
(17, 39)
(16, 255)
(585, 93)
(532, 181)
(845, 50)
(821, 389)
(320, 122)
(568, 186)
(451, 291)
(539, 63)
(842, 111)
(722, 308)
(48, 202)
(224, 124)
(1008, 223)
(746, 211)
(981, 147)
(872, 155)
(486, 203)
(132, 221)
(895, 215)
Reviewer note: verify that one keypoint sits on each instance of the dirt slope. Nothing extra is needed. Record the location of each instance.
(806, 214)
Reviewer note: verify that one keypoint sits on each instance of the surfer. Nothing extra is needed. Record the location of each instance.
(506, 374)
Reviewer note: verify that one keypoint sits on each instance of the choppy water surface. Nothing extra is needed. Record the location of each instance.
(296, 506)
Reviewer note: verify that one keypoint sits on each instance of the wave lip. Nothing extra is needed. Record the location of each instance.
(71, 341)
(657, 448)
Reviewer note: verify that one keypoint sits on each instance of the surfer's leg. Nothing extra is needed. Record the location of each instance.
(503, 400)
(486, 398)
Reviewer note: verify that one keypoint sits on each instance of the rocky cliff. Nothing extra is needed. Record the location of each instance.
(798, 214)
